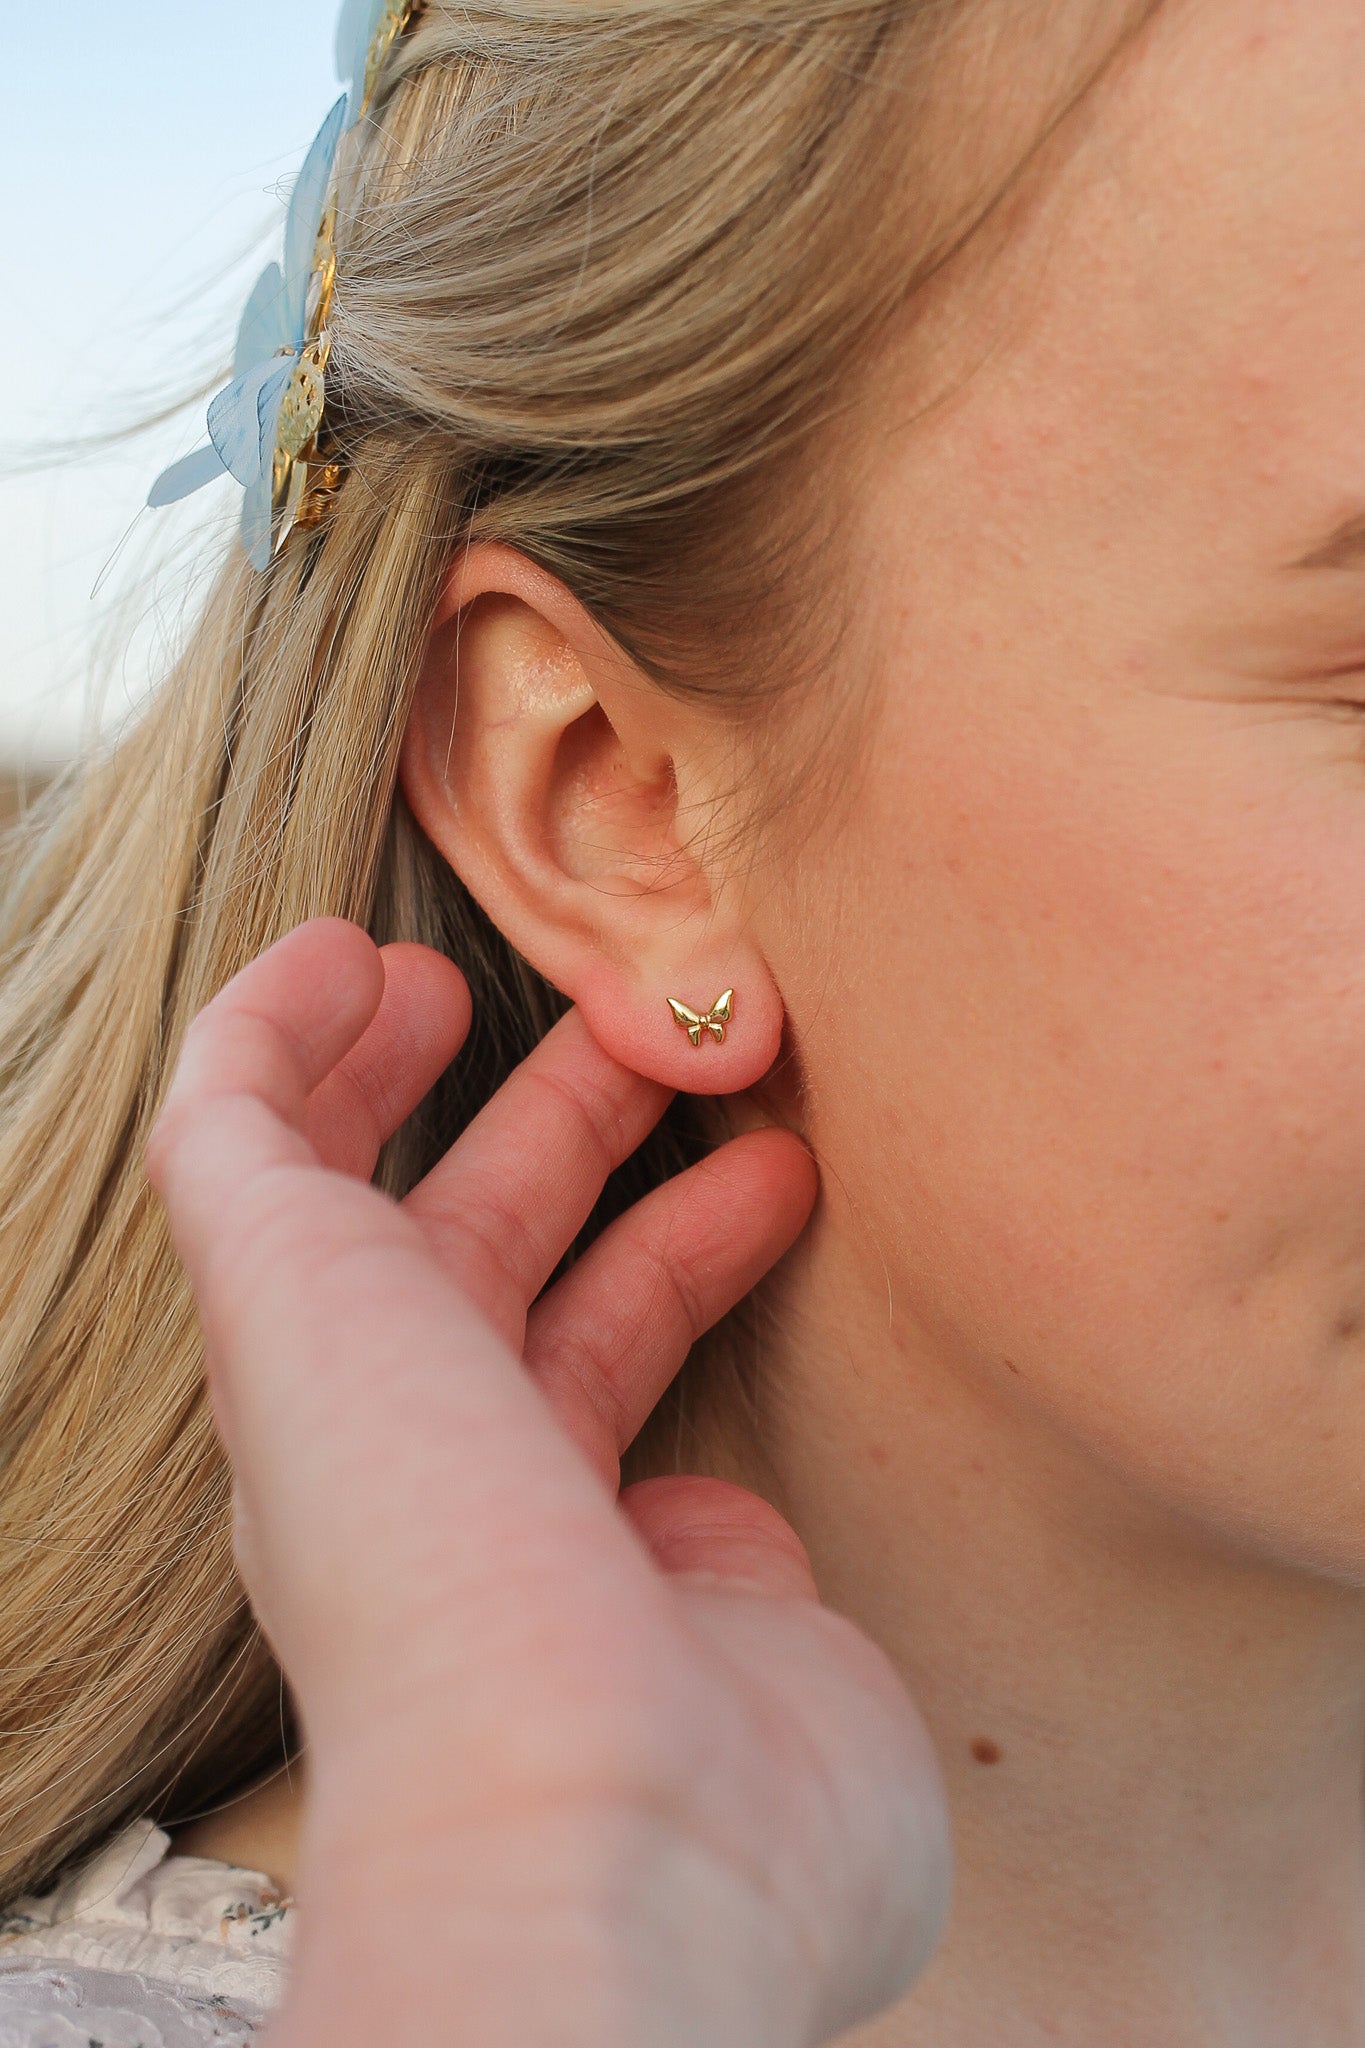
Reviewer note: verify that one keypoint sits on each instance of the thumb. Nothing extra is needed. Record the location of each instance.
(712, 1531)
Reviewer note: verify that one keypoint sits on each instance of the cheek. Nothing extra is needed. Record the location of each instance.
(1093, 1077)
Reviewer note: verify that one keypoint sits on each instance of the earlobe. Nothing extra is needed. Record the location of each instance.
(684, 1044)
(544, 767)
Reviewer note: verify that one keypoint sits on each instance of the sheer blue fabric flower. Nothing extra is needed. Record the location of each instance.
(365, 34)
(267, 417)
(244, 418)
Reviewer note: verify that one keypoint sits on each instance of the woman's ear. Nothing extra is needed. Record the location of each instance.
(547, 770)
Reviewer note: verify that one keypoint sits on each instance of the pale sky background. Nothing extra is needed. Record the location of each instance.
(143, 154)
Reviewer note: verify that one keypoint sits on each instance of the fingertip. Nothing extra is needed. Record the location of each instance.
(573, 1036)
(325, 975)
(442, 992)
(781, 1168)
(418, 1027)
(339, 945)
(704, 1530)
(791, 1151)
(282, 1021)
(426, 1000)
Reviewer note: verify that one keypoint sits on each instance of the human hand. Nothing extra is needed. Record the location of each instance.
(580, 1768)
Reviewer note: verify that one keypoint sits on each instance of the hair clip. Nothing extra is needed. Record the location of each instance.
(264, 425)
(366, 32)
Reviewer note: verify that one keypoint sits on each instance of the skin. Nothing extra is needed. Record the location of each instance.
(1067, 1408)
(618, 1741)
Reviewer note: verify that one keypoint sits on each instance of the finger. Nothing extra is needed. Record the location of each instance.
(374, 1420)
(284, 1021)
(404, 1484)
(250, 1060)
(514, 1190)
(419, 1027)
(606, 1340)
(708, 1531)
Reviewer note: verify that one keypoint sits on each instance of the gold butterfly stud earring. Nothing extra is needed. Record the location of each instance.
(713, 1020)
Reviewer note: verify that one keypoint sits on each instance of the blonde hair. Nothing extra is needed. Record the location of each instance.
(603, 272)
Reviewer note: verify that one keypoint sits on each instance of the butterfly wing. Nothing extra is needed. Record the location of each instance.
(243, 416)
(234, 415)
(191, 473)
(365, 33)
(307, 204)
(257, 507)
(356, 31)
(263, 327)
(689, 1019)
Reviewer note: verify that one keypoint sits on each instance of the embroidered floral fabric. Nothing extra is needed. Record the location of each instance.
(141, 1949)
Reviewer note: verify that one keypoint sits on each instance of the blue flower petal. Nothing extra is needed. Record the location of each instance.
(268, 402)
(263, 330)
(191, 473)
(256, 508)
(258, 504)
(307, 204)
(356, 30)
(242, 418)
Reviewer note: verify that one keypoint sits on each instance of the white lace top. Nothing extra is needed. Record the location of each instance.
(141, 1949)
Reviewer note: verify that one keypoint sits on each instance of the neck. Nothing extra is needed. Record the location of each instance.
(257, 1831)
(1153, 1746)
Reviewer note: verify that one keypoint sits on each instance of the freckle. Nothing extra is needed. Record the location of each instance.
(984, 1750)
(879, 1454)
